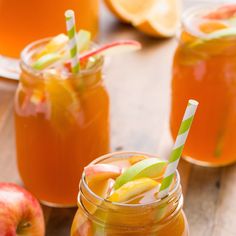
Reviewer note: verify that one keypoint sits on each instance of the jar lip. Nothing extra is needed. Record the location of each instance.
(27, 52)
(201, 7)
(128, 153)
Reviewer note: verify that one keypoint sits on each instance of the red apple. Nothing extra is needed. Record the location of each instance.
(20, 212)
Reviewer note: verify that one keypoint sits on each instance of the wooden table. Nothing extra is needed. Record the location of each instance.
(139, 86)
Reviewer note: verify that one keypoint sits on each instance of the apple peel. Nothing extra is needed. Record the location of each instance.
(150, 167)
(20, 212)
(46, 60)
(116, 47)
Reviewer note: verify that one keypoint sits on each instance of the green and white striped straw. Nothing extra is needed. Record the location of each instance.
(178, 148)
(71, 32)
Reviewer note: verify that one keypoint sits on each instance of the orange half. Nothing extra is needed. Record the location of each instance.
(129, 10)
(158, 18)
(162, 20)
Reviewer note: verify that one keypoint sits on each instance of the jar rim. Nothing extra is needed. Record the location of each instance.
(129, 153)
(26, 55)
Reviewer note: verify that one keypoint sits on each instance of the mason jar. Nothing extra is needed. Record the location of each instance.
(97, 216)
(204, 68)
(61, 124)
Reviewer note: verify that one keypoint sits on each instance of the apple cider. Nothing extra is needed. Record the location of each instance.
(61, 123)
(119, 196)
(204, 69)
(24, 21)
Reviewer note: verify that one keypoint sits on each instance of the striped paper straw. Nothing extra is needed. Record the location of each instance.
(178, 148)
(71, 32)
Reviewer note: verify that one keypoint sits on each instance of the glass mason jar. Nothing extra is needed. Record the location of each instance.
(61, 124)
(97, 216)
(205, 69)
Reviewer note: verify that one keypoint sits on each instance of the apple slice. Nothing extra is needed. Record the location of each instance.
(98, 172)
(59, 42)
(103, 189)
(122, 163)
(83, 40)
(63, 102)
(46, 60)
(212, 26)
(56, 49)
(132, 189)
(150, 167)
(222, 13)
(56, 44)
(228, 32)
(116, 47)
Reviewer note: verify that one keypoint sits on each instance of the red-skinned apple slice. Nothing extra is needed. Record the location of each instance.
(224, 12)
(20, 212)
(122, 164)
(98, 172)
(116, 47)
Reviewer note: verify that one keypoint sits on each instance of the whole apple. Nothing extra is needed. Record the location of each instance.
(20, 212)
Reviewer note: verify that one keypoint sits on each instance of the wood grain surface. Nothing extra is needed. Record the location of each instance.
(139, 87)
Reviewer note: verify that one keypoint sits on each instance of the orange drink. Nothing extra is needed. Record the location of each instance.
(24, 21)
(204, 68)
(118, 197)
(61, 123)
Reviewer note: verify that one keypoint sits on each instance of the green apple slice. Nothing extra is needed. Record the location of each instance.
(53, 51)
(46, 60)
(59, 42)
(223, 33)
(150, 167)
(56, 44)
(83, 40)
